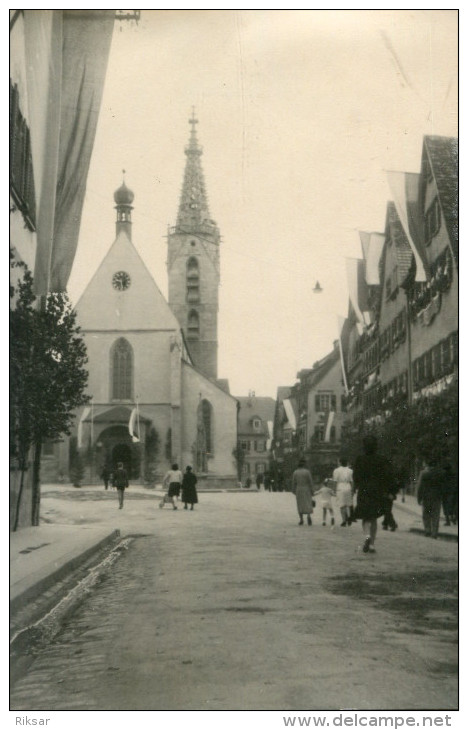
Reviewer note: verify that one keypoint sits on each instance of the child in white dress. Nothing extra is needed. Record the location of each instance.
(326, 493)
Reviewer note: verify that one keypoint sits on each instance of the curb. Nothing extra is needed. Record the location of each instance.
(441, 536)
(36, 590)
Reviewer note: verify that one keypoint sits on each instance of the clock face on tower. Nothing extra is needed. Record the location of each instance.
(121, 280)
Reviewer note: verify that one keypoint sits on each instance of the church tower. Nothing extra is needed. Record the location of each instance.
(193, 264)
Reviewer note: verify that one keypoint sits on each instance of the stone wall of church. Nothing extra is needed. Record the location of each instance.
(221, 464)
(151, 365)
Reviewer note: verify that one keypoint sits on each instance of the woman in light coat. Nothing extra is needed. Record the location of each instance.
(302, 487)
(343, 477)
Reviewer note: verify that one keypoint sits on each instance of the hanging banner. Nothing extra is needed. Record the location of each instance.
(372, 246)
(404, 187)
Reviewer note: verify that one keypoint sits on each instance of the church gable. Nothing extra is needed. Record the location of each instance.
(122, 295)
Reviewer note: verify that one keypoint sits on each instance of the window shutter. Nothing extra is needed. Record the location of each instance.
(317, 402)
(333, 403)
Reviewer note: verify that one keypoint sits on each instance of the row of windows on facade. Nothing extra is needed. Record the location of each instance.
(254, 445)
(258, 468)
(318, 435)
(434, 364)
(386, 343)
(323, 403)
(21, 167)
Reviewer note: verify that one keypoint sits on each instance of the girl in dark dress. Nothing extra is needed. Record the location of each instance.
(374, 483)
(189, 492)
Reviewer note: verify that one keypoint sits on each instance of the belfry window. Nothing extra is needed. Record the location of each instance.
(193, 325)
(122, 370)
(193, 281)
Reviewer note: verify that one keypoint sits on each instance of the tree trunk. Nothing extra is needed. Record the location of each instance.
(18, 500)
(36, 484)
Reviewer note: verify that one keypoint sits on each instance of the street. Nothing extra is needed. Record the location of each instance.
(235, 607)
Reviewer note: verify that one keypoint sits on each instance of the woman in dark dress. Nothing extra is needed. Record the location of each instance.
(189, 492)
(373, 480)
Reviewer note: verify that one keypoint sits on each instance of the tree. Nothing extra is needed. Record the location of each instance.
(410, 433)
(47, 375)
(75, 463)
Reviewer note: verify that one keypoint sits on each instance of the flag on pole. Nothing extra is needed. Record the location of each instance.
(84, 416)
(404, 187)
(331, 416)
(133, 430)
(341, 321)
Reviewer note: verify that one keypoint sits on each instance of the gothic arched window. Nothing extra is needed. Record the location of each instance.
(193, 281)
(193, 325)
(122, 370)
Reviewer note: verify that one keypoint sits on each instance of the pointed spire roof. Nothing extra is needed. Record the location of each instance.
(193, 206)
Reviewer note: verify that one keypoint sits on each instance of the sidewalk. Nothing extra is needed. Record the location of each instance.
(41, 556)
(411, 507)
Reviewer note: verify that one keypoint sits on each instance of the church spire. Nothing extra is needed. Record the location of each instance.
(193, 206)
(123, 197)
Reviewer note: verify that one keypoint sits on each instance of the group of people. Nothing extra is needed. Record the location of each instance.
(178, 483)
(175, 481)
(373, 482)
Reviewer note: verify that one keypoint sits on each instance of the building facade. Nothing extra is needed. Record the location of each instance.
(255, 430)
(408, 349)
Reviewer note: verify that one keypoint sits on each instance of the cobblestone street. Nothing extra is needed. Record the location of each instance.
(234, 607)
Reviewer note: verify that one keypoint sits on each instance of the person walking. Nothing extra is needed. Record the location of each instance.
(173, 481)
(389, 520)
(189, 491)
(430, 489)
(326, 493)
(105, 476)
(343, 478)
(259, 481)
(120, 482)
(302, 487)
(373, 480)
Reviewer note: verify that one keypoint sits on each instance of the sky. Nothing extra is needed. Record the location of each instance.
(301, 112)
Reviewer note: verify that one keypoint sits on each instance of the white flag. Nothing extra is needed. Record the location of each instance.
(331, 416)
(131, 425)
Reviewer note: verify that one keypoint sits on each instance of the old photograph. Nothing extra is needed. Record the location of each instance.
(234, 296)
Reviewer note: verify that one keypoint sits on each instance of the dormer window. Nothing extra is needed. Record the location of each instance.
(257, 424)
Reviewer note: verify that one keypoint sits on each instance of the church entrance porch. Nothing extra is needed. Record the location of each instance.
(122, 453)
(115, 444)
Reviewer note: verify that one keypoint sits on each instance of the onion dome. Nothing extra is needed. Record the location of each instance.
(123, 195)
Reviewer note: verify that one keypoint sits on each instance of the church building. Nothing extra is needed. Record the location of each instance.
(152, 363)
